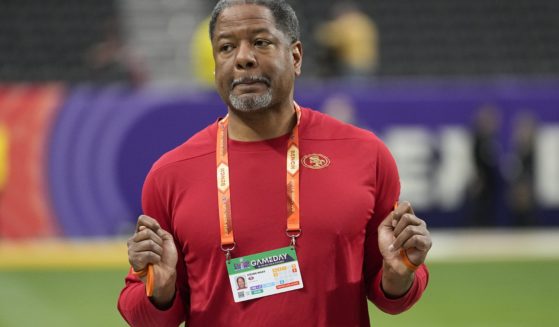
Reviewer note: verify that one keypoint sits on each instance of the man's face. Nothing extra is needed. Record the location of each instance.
(240, 283)
(255, 62)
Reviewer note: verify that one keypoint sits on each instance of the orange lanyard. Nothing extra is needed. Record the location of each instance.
(224, 186)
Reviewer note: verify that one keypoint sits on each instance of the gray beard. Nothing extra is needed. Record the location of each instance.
(249, 103)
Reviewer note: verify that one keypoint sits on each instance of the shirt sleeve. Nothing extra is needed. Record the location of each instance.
(387, 192)
(133, 303)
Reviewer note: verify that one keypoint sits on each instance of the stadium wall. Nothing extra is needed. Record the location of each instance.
(75, 157)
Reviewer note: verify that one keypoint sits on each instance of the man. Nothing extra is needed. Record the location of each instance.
(241, 283)
(347, 243)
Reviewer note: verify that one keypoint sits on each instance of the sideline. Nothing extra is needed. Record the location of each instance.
(449, 245)
(64, 254)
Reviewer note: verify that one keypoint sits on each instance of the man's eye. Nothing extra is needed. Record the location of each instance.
(226, 48)
(262, 43)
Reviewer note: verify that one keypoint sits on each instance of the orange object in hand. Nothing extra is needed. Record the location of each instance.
(410, 265)
(405, 260)
(148, 271)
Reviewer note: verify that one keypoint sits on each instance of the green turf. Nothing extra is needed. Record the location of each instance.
(60, 298)
(484, 294)
(459, 294)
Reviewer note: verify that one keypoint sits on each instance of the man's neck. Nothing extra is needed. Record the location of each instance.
(261, 125)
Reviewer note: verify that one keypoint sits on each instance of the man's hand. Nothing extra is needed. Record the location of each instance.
(401, 230)
(151, 244)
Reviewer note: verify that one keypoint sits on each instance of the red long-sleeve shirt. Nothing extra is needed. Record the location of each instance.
(342, 204)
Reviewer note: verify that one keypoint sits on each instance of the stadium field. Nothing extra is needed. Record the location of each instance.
(507, 293)
(479, 278)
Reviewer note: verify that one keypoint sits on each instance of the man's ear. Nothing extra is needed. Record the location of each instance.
(297, 53)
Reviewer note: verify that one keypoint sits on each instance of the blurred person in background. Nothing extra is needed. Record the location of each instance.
(521, 199)
(110, 61)
(485, 186)
(351, 40)
(352, 243)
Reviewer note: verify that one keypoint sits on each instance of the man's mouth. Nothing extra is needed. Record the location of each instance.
(250, 81)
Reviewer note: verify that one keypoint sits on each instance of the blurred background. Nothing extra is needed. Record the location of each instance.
(464, 93)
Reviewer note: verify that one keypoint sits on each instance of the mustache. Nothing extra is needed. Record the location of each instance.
(251, 79)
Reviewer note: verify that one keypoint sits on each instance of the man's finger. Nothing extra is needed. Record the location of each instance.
(148, 222)
(165, 235)
(140, 260)
(406, 234)
(147, 234)
(401, 208)
(420, 242)
(148, 245)
(387, 221)
(406, 220)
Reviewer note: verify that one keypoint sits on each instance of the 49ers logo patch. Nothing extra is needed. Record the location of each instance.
(315, 161)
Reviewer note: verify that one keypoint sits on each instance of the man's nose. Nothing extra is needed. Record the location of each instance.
(245, 57)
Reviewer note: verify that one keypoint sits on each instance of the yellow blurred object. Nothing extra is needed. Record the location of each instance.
(202, 55)
(63, 254)
(4, 155)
